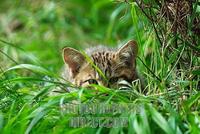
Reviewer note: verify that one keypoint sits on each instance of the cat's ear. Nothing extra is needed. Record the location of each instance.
(74, 59)
(128, 52)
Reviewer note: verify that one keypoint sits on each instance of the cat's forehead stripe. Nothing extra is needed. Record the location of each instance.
(103, 60)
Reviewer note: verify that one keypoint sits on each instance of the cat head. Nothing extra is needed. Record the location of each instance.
(115, 65)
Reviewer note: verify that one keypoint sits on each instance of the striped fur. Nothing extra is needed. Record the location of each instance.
(116, 65)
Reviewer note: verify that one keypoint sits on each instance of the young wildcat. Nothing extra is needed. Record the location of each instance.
(116, 65)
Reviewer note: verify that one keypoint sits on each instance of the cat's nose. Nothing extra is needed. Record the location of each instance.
(103, 83)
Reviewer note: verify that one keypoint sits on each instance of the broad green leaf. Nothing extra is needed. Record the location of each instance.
(34, 68)
(160, 121)
(196, 72)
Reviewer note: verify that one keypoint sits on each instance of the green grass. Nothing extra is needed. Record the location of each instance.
(31, 62)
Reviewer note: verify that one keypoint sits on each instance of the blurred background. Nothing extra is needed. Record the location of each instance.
(35, 32)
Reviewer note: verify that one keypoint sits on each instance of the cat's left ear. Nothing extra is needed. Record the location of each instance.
(74, 59)
(128, 52)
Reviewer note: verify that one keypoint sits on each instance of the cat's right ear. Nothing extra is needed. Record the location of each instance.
(74, 59)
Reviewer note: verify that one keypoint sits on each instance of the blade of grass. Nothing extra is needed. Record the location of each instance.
(93, 65)
(160, 120)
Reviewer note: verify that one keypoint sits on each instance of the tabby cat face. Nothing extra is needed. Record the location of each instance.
(115, 65)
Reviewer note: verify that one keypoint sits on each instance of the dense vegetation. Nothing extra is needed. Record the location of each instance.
(33, 33)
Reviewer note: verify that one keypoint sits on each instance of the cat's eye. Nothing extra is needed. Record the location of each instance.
(113, 80)
(92, 81)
